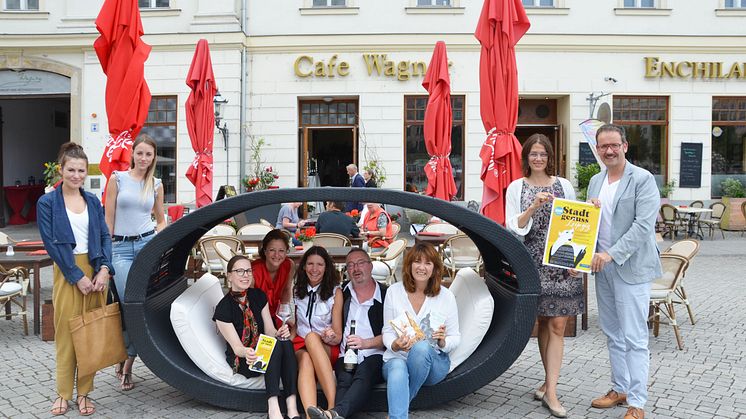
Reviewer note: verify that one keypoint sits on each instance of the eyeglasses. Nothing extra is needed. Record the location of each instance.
(613, 147)
(242, 272)
(359, 264)
(542, 156)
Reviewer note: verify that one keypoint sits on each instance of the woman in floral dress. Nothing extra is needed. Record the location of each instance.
(528, 206)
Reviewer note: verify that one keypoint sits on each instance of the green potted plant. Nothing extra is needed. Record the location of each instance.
(734, 194)
(583, 174)
(667, 189)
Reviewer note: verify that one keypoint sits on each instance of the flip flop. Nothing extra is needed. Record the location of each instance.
(126, 383)
(60, 410)
(85, 406)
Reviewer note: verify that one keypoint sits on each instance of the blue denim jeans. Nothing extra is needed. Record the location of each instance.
(123, 254)
(424, 366)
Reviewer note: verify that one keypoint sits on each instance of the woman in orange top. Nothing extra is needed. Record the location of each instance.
(274, 271)
(377, 226)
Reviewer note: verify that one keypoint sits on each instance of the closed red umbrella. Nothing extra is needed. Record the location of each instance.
(501, 24)
(200, 119)
(437, 127)
(122, 55)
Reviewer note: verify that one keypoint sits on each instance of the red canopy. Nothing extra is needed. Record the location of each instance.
(200, 118)
(501, 24)
(437, 127)
(122, 55)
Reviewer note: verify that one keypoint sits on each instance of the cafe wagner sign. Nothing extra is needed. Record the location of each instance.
(375, 65)
(655, 68)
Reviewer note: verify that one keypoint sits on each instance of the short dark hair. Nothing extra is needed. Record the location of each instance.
(543, 141)
(612, 128)
(338, 205)
(275, 234)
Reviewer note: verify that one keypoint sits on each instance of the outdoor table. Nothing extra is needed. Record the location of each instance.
(338, 254)
(33, 262)
(693, 213)
(24, 246)
(17, 197)
(434, 238)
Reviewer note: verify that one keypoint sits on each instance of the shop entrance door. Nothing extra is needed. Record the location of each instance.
(328, 141)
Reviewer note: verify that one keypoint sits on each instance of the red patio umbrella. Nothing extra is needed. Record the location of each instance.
(437, 127)
(200, 118)
(501, 24)
(122, 55)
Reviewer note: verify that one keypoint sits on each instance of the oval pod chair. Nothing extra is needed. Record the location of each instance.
(157, 279)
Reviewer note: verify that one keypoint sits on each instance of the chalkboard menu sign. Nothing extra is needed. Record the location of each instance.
(586, 156)
(690, 174)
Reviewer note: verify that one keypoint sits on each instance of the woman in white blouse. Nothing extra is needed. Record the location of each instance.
(318, 319)
(527, 212)
(431, 313)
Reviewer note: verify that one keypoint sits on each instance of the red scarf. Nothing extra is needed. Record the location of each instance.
(250, 335)
(273, 289)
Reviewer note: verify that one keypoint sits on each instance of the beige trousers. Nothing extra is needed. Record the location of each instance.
(68, 302)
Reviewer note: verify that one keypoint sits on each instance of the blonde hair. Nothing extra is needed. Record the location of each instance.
(149, 179)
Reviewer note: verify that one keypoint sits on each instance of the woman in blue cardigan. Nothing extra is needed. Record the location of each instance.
(72, 226)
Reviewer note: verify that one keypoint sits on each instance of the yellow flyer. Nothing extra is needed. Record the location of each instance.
(572, 235)
(264, 348)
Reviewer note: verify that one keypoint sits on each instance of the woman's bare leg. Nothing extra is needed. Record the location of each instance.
(306, 379)
(553, 362)
(320, 355)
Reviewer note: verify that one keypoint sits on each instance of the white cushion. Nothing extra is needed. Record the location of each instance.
(475, 308)
(380, 270)
(9, 288)
(191, 317)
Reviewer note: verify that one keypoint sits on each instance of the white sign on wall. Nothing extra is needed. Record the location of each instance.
(33, 82)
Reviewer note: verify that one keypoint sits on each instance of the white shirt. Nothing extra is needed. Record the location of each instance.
(606, 196)
(359, 313)
(321, 313)
(397, 303)
(79, 224)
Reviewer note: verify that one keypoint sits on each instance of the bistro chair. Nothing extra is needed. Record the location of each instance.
(713, 222)
(221, 230)
(14, 285)
(461, 253)
(663, 292)
(697, 204)
(254, 228)
(262, 221)
(395, 229)
(386, 263)
(441, 227)
(331, 240)
(671, 222)
(687, 248)
(211, 260)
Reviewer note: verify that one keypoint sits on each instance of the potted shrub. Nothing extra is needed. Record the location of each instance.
(583, 174)
(734, 194)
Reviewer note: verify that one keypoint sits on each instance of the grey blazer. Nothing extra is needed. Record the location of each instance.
(636, 205)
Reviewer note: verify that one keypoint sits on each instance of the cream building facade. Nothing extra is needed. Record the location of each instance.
(328, 82)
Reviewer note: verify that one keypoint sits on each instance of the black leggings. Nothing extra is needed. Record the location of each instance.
(282, 365)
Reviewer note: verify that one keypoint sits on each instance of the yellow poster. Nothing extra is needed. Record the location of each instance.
(572, 235)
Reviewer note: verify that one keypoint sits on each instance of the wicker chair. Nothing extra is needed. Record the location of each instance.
(262, 221)
(671, 221)
(687, 248)
(14, 285)
(385, 264)
(444, 228)
(697, 204)
(713, 222)
(254, 228)
(331, 240)
(157, 279)
(461, 253)
(663, 293)
(221, 230)
(211, 259)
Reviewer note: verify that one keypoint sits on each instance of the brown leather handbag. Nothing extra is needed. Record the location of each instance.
(97, 336)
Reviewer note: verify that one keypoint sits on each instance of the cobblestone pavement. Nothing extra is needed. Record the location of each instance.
(706, 379)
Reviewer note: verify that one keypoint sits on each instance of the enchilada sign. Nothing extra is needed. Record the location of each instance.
(655, 68)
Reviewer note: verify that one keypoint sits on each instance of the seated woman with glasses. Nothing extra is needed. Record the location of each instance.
(318, 317)
(241, 316)
(528, 206)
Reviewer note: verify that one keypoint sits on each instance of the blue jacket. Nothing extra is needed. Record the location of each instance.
(59, 241)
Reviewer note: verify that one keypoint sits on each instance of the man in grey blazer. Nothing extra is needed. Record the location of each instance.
(626, 261)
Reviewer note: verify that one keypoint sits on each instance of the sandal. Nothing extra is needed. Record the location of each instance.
(118, 370)
(85, 406)
(126, 383)
(61, 409)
